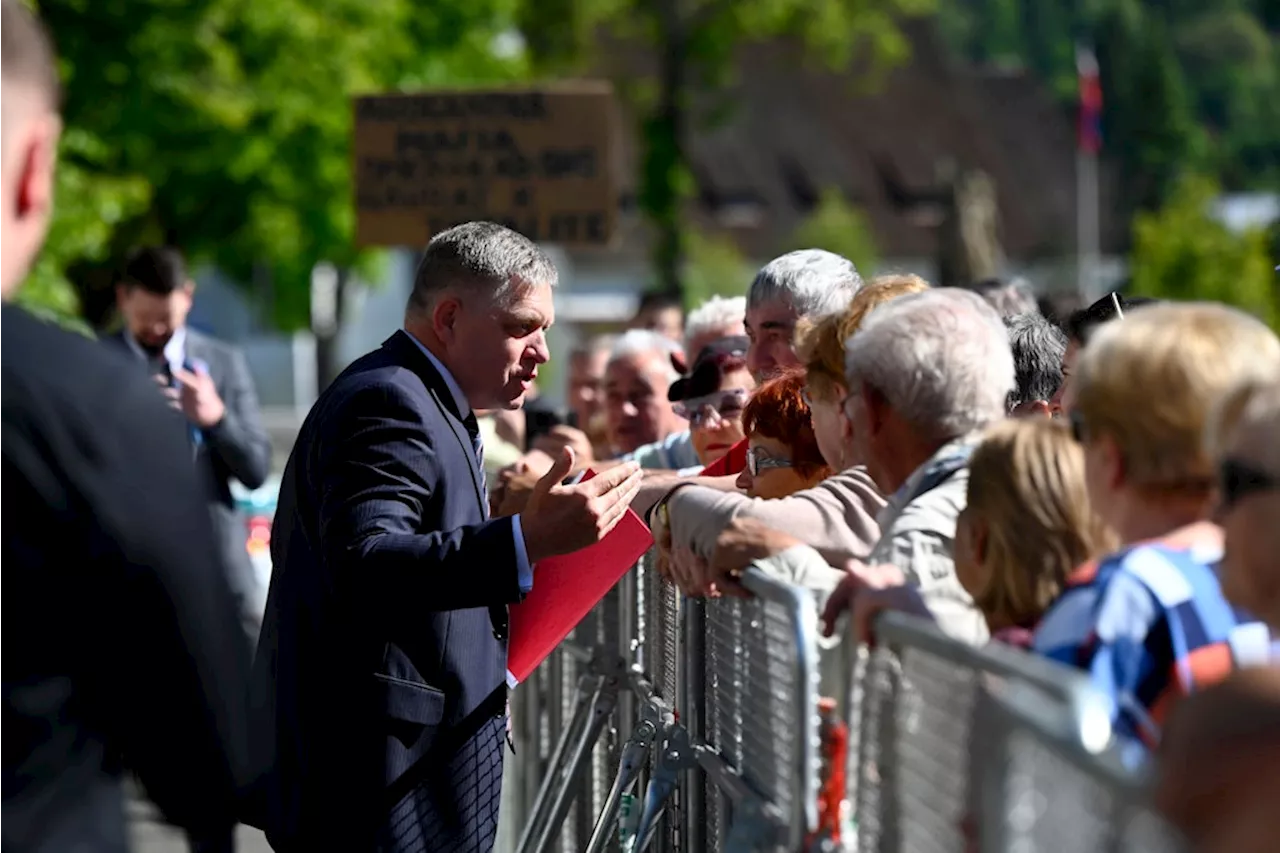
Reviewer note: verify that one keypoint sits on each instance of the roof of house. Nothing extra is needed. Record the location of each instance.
(794, 130)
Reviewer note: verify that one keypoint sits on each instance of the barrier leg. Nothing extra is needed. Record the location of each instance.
(600, 709)
(677, 755)
(587, 688)
(629, 764)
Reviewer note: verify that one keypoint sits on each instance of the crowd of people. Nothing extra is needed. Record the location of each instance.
(1099, 490)
(1103, 492)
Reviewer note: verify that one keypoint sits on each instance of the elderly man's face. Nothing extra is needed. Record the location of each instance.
(637, 411)
(771, 327)
(586, 378)
(1249, 512)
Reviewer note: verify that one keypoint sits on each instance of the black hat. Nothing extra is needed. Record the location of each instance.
(704, 377)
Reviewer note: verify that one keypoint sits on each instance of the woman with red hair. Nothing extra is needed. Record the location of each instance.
(782, 454)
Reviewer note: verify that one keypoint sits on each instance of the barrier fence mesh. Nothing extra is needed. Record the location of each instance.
(918, 739)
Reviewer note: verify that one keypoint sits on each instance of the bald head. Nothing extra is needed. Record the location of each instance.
(29, 129)
(27, 60)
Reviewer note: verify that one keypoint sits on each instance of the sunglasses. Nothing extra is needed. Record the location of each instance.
(758, 460)
(1238, 479)
(712, 408)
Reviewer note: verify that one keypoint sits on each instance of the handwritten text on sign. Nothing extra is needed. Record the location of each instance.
(541, 162)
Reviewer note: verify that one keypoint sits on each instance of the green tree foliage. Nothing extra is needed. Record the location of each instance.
(1181, 252)
(695, 43)
(223, 126)
(713, 267)
(838, 226)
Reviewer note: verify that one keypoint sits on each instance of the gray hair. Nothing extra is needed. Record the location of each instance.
(1010, 298)
(717, 312)
(480, 256)
(645, 342)
(1038, 347)
(812, 281)
(940, 358)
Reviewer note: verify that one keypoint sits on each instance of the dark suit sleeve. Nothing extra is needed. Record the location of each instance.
(240, 440)
(144, 603)
(375, 489)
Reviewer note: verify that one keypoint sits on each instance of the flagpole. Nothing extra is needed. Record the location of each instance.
(1089, 141)
(1087, 227)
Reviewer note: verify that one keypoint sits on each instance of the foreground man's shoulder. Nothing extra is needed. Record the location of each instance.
(43, 361)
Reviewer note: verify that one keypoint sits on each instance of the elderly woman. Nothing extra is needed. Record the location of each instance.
(782, 455)
(712, 397)
(822, 350)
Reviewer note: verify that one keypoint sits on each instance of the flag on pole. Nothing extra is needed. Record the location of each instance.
(1090, 118)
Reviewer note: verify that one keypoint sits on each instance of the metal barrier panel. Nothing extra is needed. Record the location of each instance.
(1041, 791)
(914, 729)
(761, 713)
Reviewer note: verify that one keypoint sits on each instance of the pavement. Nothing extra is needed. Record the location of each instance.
(148, 834)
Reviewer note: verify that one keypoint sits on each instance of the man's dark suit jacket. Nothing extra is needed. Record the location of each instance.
(379, 686)
(122, 648)
(237, 448)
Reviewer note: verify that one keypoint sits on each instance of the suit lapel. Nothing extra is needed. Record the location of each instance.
(407, 353)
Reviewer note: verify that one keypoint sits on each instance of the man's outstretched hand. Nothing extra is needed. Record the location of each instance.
(562, 519)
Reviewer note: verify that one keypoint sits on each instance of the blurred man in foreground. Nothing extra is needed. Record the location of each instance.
(123, 652)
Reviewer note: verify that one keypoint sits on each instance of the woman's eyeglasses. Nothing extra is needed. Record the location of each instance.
(1238, 479)
(712, 409)
(758, 461)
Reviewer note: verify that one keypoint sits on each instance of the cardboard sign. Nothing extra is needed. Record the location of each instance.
(540, 161)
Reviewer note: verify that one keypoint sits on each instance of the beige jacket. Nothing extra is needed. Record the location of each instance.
(837, 516)
(919, 528)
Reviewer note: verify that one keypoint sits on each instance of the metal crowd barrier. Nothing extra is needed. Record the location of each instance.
(914, 710)
(676, 725)
(1039, 791)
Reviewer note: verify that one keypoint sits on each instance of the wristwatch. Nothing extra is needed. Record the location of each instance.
(660, 523)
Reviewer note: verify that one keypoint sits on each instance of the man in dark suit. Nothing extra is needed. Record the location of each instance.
(121, 645)
(379, 688)
(209, 383)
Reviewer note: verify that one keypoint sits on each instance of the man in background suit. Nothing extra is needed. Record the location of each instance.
(379, 689)
(121, 645)
(209, 383)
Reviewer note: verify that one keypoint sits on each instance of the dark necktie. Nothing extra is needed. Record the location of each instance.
(477, 445)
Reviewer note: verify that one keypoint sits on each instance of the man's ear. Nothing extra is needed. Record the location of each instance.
(877, 407)
(1113, 462)
(444, 318)
(1037, 409)
(36, 177)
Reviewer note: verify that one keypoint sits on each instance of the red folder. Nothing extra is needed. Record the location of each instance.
(564, 591)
